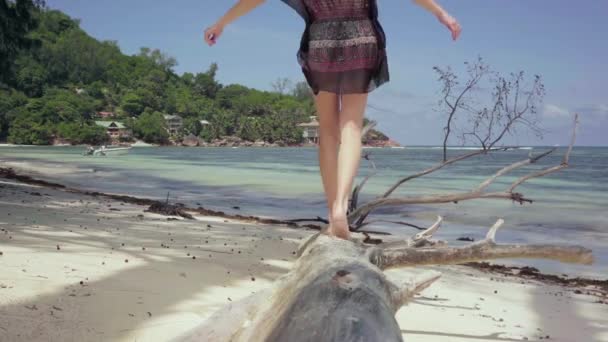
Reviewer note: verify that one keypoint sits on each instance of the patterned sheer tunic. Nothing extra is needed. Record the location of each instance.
(343, 45)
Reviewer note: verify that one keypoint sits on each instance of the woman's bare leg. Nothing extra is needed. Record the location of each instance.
(327, 106)
(349, 157)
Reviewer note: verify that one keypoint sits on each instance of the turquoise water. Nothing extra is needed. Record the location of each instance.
(570, 206)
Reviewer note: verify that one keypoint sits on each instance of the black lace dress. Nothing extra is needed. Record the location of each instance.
(343, 47)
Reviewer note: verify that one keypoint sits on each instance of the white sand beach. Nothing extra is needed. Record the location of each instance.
(75, 267)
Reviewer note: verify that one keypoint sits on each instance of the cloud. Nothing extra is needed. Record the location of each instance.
(555, 111)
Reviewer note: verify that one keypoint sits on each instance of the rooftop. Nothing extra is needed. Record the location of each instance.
(172, 117)
(110, 124)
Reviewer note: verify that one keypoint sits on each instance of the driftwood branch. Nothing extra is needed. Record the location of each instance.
(370, 125)
(510, 168)
(316, 219)
(476, 193)
(440, 166)
(403, 294)
(360, 221)
(556, 168)
(513, 106)
(368, 223)
(416, 240)
(485, 249)
(354, 198)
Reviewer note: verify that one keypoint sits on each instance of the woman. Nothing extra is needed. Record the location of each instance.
(343, 58)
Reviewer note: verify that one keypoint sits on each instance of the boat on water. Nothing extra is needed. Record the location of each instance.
(107, 150)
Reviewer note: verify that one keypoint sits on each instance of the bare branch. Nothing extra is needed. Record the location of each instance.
(367, 208)
(510, 168)
(491, 124)
(407, 291)
(316, 219)
(389, 221)
(556, 168)
(281, 85)
(576, 124)
(415, 240)
(370, 125)
(453, 255)
(536, 174)
(486, 249)
(476, 72)
(501, 172)
(357, 190)
(491, 235)
(441, 165)
(426, 199)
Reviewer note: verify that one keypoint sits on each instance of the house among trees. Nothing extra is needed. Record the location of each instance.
(310, 130)
(174, 123)
(105, 115)
(115, 129)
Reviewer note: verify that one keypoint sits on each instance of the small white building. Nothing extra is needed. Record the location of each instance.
(174, 123)
(310, 130)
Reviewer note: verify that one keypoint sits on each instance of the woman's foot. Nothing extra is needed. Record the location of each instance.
(339, 223)
(340, 228)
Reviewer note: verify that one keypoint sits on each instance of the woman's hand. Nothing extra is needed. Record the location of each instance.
(212, 33)
(451, 23)
(242, 7)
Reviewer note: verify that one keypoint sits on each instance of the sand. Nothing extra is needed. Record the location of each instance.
(81, 268)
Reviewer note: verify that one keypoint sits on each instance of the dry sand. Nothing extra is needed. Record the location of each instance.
(82, 268)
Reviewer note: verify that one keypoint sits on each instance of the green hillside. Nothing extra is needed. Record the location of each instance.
(54, 78)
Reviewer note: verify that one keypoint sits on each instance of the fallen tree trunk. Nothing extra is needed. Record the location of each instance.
(337, 290)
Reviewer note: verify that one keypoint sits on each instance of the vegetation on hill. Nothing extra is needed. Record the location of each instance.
(54, 78)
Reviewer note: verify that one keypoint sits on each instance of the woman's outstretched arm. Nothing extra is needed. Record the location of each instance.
(430, 6)
(241, 8)
(442, 15)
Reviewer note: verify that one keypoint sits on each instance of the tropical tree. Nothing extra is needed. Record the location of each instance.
(28, 129)
(17, 19)
(151, 128)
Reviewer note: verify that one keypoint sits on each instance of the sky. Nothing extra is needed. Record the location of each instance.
(563, 41)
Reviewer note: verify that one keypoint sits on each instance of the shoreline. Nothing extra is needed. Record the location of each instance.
(450, 147)
(219, 143)
(99, 267)
(523, 272)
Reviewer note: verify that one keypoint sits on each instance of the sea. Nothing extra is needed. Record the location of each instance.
(569, 206)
